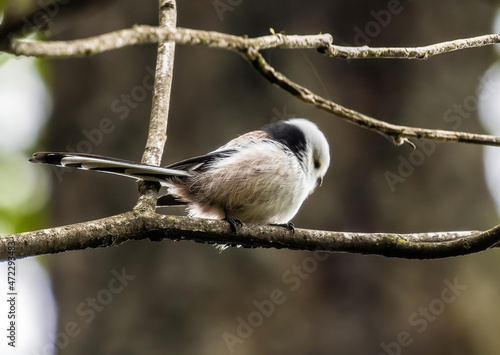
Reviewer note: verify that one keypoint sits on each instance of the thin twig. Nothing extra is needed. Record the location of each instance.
(250, 47)
(134, 225)
(157, 134)
(410, 52)
(399, 134)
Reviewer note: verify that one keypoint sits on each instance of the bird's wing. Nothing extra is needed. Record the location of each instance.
(203, 161)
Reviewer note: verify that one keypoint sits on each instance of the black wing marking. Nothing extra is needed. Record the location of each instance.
(170, 200)
(201, 162)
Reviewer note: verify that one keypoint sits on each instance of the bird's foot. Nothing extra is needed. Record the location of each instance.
(234, 224)
(289, 226)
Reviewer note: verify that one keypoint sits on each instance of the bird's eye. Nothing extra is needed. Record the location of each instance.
(317, 164)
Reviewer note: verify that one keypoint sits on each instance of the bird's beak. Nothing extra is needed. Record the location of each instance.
(319, 182)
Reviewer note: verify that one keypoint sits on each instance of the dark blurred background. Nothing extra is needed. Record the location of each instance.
(188, 298)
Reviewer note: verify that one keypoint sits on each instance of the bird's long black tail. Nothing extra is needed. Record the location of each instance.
(108, 165)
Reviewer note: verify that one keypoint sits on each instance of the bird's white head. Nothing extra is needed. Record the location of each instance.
(307, 142)
(317, 150)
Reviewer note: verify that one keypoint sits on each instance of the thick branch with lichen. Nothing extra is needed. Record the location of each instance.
(115, 230)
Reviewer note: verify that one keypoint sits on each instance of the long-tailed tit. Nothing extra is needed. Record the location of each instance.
(261, 177)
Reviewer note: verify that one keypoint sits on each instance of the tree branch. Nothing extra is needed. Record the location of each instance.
(399, 134)
(157, 134)
(144, 34)
(250, 48)
(134, 225)
(411, 52)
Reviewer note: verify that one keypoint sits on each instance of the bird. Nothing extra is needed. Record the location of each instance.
(261, 177)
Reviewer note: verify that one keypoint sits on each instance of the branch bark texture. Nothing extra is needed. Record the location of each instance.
(145, 34)
(134, 225)
(157, 133)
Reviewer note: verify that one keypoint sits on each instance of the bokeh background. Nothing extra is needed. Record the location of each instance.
(187, 298)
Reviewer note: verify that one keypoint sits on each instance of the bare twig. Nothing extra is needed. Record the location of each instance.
(398, 133)
(136, 225)
(143, 34)
(411, 52)
(250, 48)
(157, 134)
